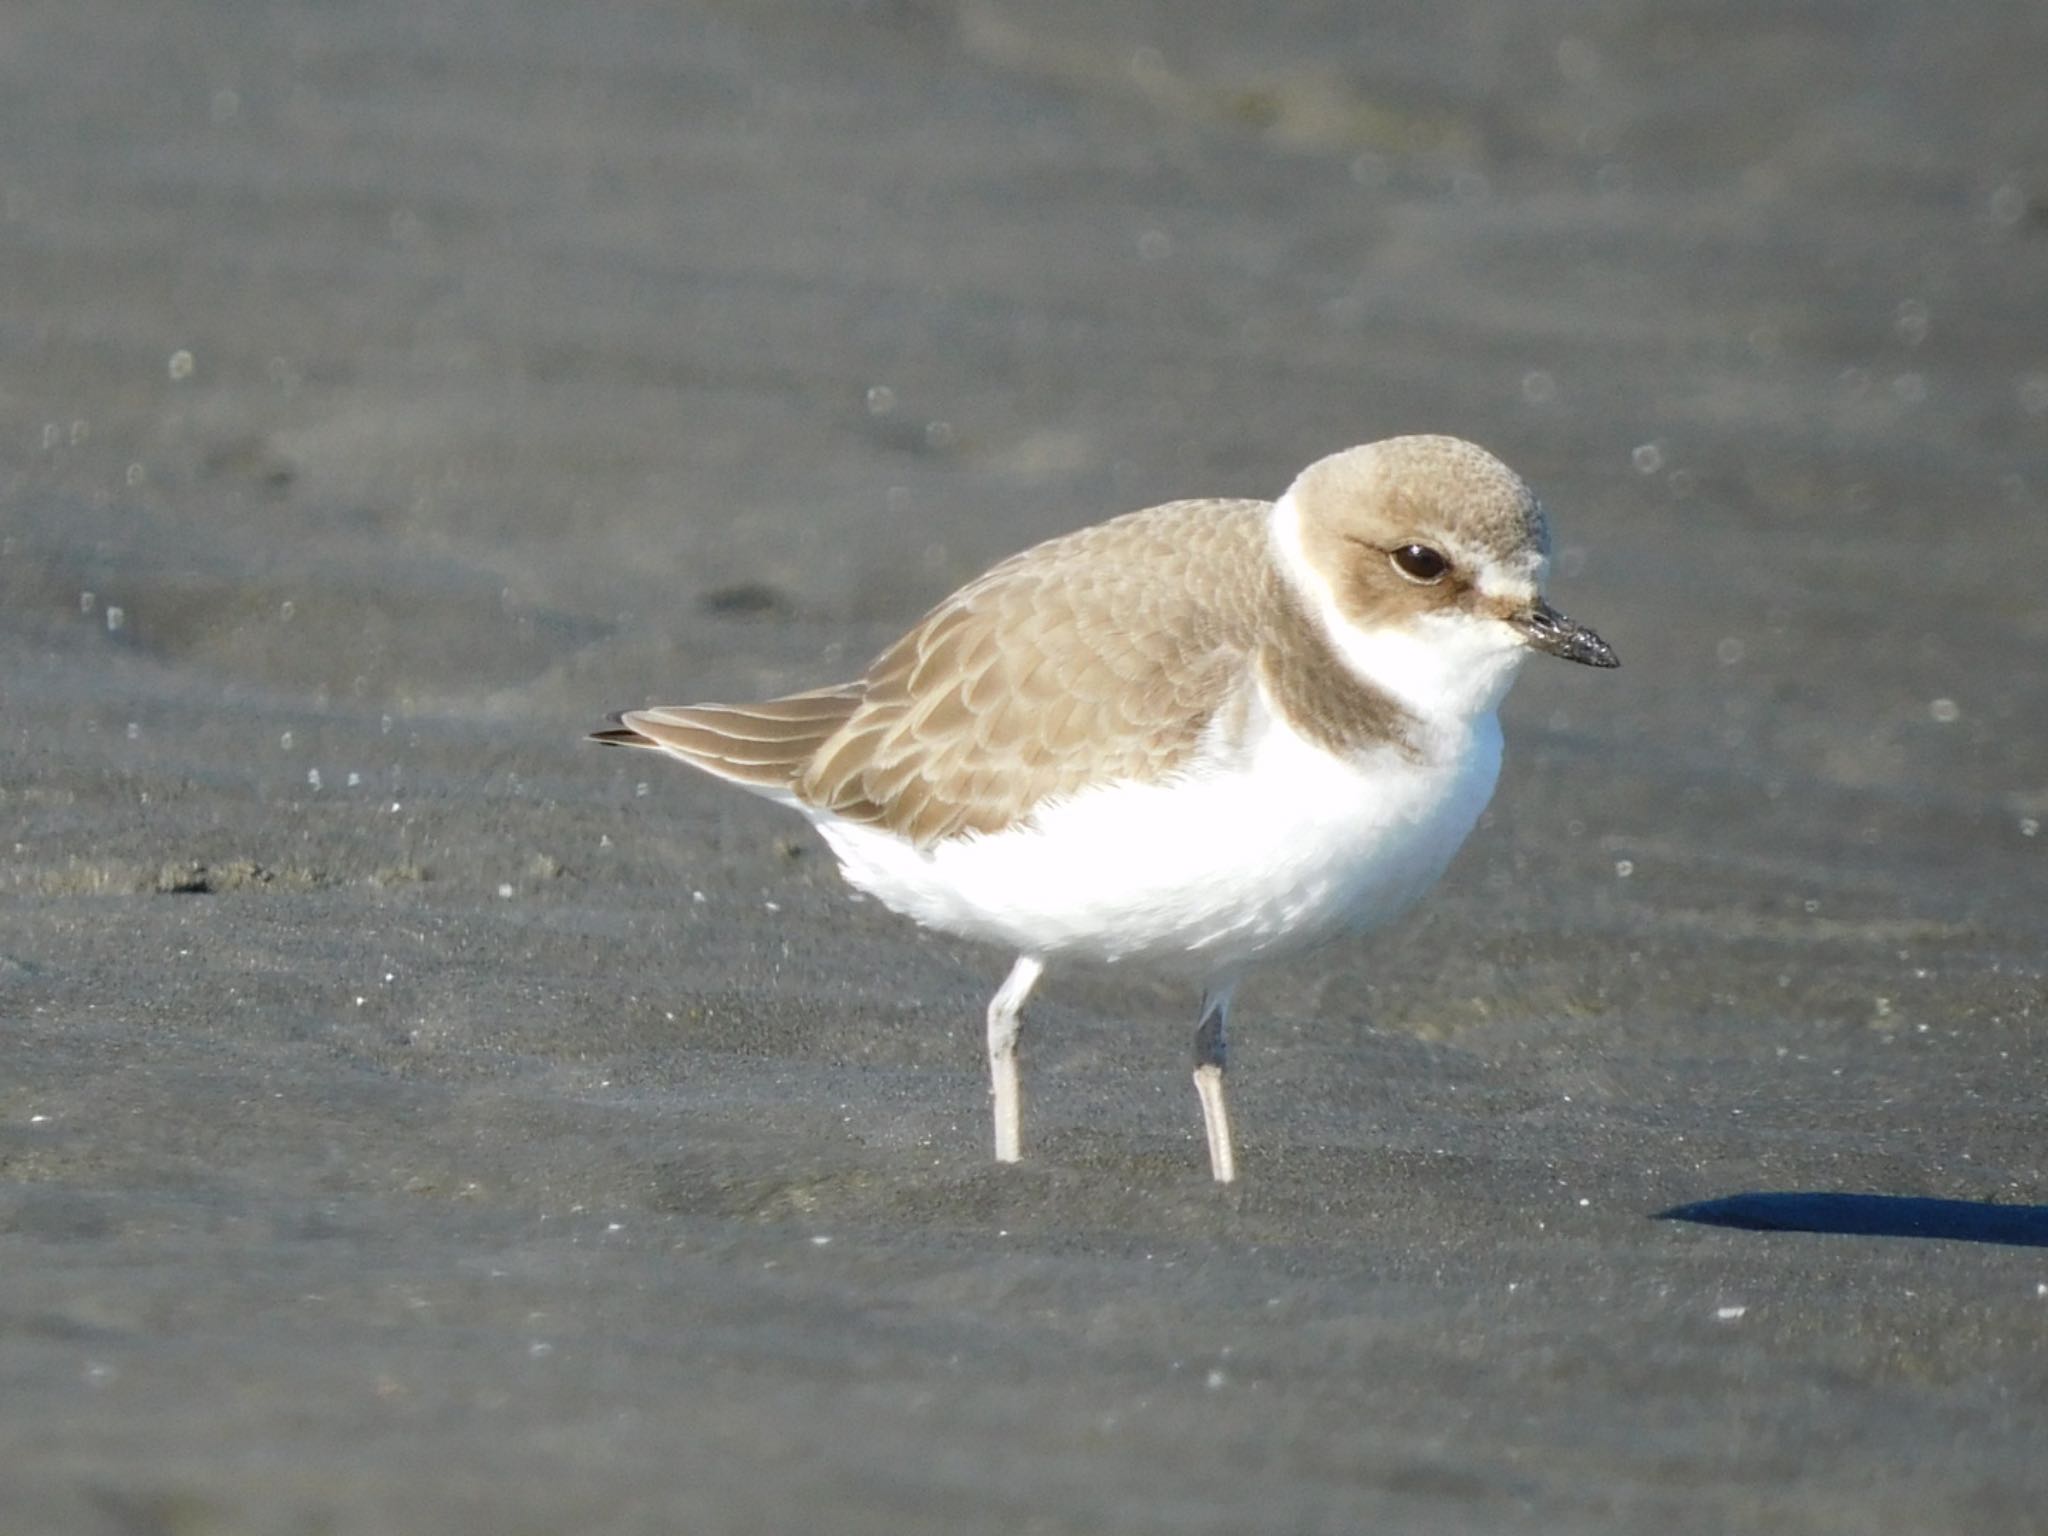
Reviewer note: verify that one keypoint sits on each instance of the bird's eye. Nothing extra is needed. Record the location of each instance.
(1418, 562)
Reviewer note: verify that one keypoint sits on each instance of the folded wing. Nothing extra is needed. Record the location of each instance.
(1100, 656)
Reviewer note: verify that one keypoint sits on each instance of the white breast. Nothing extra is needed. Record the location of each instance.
(1269, 847)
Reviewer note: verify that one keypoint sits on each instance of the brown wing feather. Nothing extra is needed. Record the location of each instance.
(1099, 656)
(764, 746)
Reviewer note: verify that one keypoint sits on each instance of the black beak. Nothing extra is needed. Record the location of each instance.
(1548, 630)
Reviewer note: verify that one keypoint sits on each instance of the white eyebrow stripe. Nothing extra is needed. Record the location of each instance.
(1506, 588)
(1515, 581)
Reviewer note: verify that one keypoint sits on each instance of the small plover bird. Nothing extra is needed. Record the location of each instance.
(1200, 735)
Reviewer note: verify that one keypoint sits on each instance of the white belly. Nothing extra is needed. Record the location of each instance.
(1273, 849)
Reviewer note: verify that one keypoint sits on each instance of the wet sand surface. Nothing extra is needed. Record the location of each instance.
(412, 1120)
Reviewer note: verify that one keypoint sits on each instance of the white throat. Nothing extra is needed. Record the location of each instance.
(1451, 669)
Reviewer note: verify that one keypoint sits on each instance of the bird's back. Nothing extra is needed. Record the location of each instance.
(1099, 655)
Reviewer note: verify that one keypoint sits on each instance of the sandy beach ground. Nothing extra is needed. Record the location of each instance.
(413, 1120)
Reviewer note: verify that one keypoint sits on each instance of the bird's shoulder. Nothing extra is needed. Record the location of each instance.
(1098, 656)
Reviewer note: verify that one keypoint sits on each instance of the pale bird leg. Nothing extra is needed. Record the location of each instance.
(1209, 1054)
(1005, 1018)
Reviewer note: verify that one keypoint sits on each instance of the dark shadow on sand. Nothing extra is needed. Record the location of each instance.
(1963, 1221)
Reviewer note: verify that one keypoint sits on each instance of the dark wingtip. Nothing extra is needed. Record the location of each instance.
(621, 734)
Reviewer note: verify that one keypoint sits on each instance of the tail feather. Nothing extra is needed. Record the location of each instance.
(763, 746)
